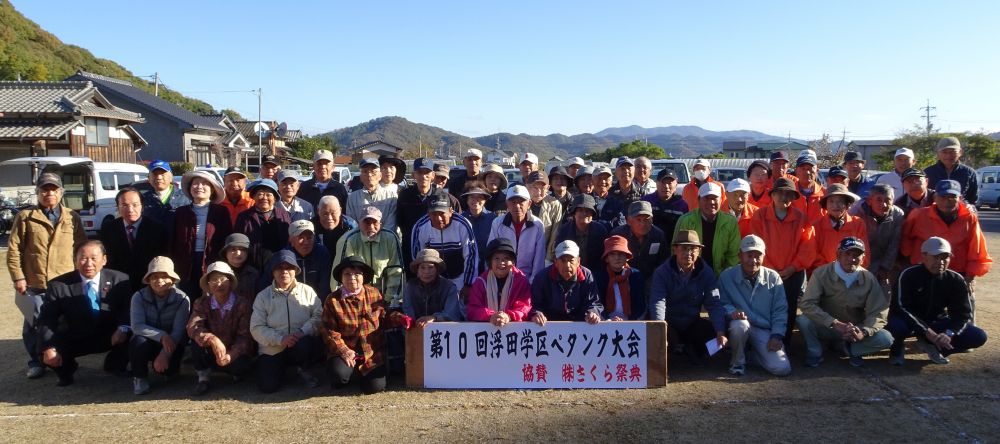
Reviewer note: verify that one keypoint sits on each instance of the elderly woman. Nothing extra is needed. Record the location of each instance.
(330, 222)
(353, 330)
(220, 326)
(159, 313)
(427, 296)
(495, 181)
(621, 284)
(502, 293)
(200, 228)
(235, 254)
(265, 224)
(393, 172)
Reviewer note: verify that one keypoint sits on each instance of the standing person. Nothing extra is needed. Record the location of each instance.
(528, 164)
(266, 224)
(643, 170)
(322, 183)
(285, 323)
(502, 294)
(162, 198)
(380, 249)
(565, 290)
(901, 161)
(411, 204)
(237, 200)
(836, 174)
(884, 225)
(753, 297)
(836, 225)
(236, 254)
(720, 232)
(624, 187)
(668, 206)
(779, 169)
(452, 236)
(583, 228)
(701, 173)
(372, 194)
(811, 194)
(857, 181)
(85, 311)
(610, 208)
(269, 167)
(132, 240)
(623, 286)
(573, 165)
(647, 243)
(473, 162)
(441, 175)
(428, 296)
(313, 259)
(583, 181)
(560, 181)
(759, 173)
(524, 230)
(479, 217)
(288, 188)
(330, 223)
(200, 228)
(393, 172)
(950, 167)
(544, 207)
(737, 192)
(495, 182)
(159, 313)
(917, 195)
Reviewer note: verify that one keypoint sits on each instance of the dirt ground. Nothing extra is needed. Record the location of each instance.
(918, 402)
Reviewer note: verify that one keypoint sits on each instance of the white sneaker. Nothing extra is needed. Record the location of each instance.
(737, 370)
(932, 352)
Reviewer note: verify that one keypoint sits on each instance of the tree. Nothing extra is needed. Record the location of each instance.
(824, 152)
(305, 147)
(633, 149)
(716, 156)
(232, 114)
(978, 148)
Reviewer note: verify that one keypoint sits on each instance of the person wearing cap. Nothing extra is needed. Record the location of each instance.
(810, 192)
(285, 324)
(159, 313)
(668, 206)
(560, 181)
(162, 198)
(266, 224)
(380, 249)
(84, 311)
(643, 172)
(718, 230)
(131, 240)
(791, 242)
(844, 304)
(836, 225)
(950, 167)
(238, 199)
(372, 194)
(624, 187)
(778, 168)
(701, 173)
(473, 162)
(441, 175)
(836, 174)
(583, 228)
(453, 238)
(857, 181)
(934, 305)
(610, 208)
(322, 183)
(545, 207)
(412, 202)
(527, 165)
(884, 225)
(647, 243)
(583, 181)
(622, 285)
(573, 166)
(957, 223)
(902, 160)
(269, 167)
(200, 228)
(502, 293)
(565, 290)
(915, 191)
(393, 172)
(219, 327)
(236, 254)
(524, 230)
(314, 260)
(683, 286)
(737, 192)
(759, 175)
(330, 222)
(428, 296)
(288, 190)
(753, 297)
(481, 218)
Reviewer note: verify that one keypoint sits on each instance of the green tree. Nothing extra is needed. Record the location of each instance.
(716, 156)
(232, 114)
(633, 149)
(978, 149)
(305, 147)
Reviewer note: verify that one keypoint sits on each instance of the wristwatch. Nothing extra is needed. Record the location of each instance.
(949, 333)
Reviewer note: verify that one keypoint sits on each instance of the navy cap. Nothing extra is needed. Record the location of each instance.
(778, 155)
(624, 160)
(911, 172)
(369, 161)
(423, 163)
(852, 156)
(851, 243)
(837, 171)
(269, 159)
(948, 187)
(666, 173)
(160, 165)
(235, 170)
(438, 201)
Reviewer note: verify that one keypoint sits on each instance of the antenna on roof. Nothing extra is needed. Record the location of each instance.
(282, 130)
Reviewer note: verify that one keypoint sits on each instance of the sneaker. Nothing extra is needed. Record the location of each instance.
(35, 372)
(201, 388)
(857, 361)
(932, 352)
(737, 370)
(307, 378)
(140, 386)
(897, 360)
(813, 361)
(64, 381)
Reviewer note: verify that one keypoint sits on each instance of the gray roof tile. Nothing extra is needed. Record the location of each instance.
(43, 129)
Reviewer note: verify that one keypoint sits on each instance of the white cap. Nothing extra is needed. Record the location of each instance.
(518, 191)
(371, 212)
(807, 152)
(529, 157)
(567, 247)
(575, 161)
(710, 188)
(473, 152)
(752, 243)
(935, 246)
(904, 152)
(702, 162)
(300, 226)
(602, 170)
(738, 184)
(323, 155)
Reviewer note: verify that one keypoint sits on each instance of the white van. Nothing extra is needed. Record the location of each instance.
(989, 186)
(90, 187)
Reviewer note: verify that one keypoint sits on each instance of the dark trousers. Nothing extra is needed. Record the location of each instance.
(204, 359)
(142, 351)
(29, 335)
(73, 347)
(902, 327)
(395, 339)
(271, 368)
(192, 286)
(340, 375)
(793, 291)
(695, 336)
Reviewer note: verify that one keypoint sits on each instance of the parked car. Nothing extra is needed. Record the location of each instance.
(989, 186)
(680, 170)
(218, 172)
(726, 174)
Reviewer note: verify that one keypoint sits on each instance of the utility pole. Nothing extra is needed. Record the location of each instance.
(927, 115)
(843, 137)
(260, 131)
(156, 84)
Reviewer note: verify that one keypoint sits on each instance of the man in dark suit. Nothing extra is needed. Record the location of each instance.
(132, 240)
(85, 311)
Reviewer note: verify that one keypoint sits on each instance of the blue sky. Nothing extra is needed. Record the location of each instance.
(569, 67)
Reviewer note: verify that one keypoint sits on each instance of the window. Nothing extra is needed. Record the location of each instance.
(989, 177)
(107, 181)
(97, 131)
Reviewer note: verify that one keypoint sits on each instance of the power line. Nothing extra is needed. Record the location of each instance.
(927, 115)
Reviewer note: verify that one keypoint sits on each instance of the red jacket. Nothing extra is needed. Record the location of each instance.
(788, 242)
(968, 245)
(810, 206)
(518, 303)
(245, 203)
(217, 227)
(690, 194)
(749, 210)
(828, 239)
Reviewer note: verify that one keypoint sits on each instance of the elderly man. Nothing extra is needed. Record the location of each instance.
(753, 297)
(884, 225)
(314, 260)
(836, 224)
(473, 162)
(682, 286)
(441, 175)
(916, 194)
(452, 236)
(647, 243)
(527, 165)
(266, 224)
(950, 167)
(412, 202)
(372, 194)
(779, 168)
(720, 232)
(668, 206)
(934, 304)
(610, 208)
(737, 191)
(565, 290)
(583, 229)
(132, 240)
(380, 249)
(624, 187)
(322, 183)
(583, 181)
(40, 247)
(836, 174)
(330, 223)
(857, 181)
(643, 172)
(559, 182)
(524, 230)
(545, 207)
(843, 303)
(902, 161)
(237, 198)
(810, 191)
(701, 173)
(759, 175)
(573, 165)
(269, 167)
(85, 311)
(162, 198)
(288, 189)
(479, 217)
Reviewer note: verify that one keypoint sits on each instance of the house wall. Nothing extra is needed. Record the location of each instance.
(163, 134)
(14, 175)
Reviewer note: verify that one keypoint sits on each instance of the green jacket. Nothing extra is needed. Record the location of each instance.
(382, 254)
(725, 245)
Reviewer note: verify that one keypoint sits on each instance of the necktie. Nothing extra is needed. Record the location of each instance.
(92, 294)
(130, 234)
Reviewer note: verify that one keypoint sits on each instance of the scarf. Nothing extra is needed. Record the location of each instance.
(623, 290)
(849, 278)
(491, 292)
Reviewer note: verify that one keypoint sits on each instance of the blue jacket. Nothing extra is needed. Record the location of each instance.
(592, 250)
(963, 174)
(315, 270)
(636, 289)
(481, 227)
(613, 211)
(763, 301)
(548, 297)
(680, 303)
(862, 186)
(665, 214)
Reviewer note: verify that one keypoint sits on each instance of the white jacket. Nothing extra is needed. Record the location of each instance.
(530, 246)
(277, 314)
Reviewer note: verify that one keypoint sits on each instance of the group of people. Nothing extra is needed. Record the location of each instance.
(276, 274)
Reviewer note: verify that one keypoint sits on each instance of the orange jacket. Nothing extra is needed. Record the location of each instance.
(744, 218)
(764, 200)
(968, 245)
(828, 239)
(810, 206)
(245, 203)
(788, 242)
(690, 194)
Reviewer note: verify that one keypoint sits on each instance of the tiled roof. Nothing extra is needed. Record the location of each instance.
(293, 135)
(376, 142)
(246, 127)
(60, 99)
(42, 129)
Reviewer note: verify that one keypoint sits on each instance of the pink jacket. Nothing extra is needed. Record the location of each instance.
(518, 304)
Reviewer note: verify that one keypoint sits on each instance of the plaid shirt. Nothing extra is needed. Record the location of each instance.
(233, 329)
(355, 322)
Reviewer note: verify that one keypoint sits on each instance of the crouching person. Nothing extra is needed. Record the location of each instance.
(220, 327)
(429, 296)
(753, 297)
(159, 314)
(844, 304)
(502, 293)
(285, 322)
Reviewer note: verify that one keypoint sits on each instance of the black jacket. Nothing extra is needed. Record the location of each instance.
(309, 192)
(924, 298)
(151, 240)
(66, 311)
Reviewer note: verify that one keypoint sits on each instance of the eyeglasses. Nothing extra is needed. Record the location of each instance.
(218, 281)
